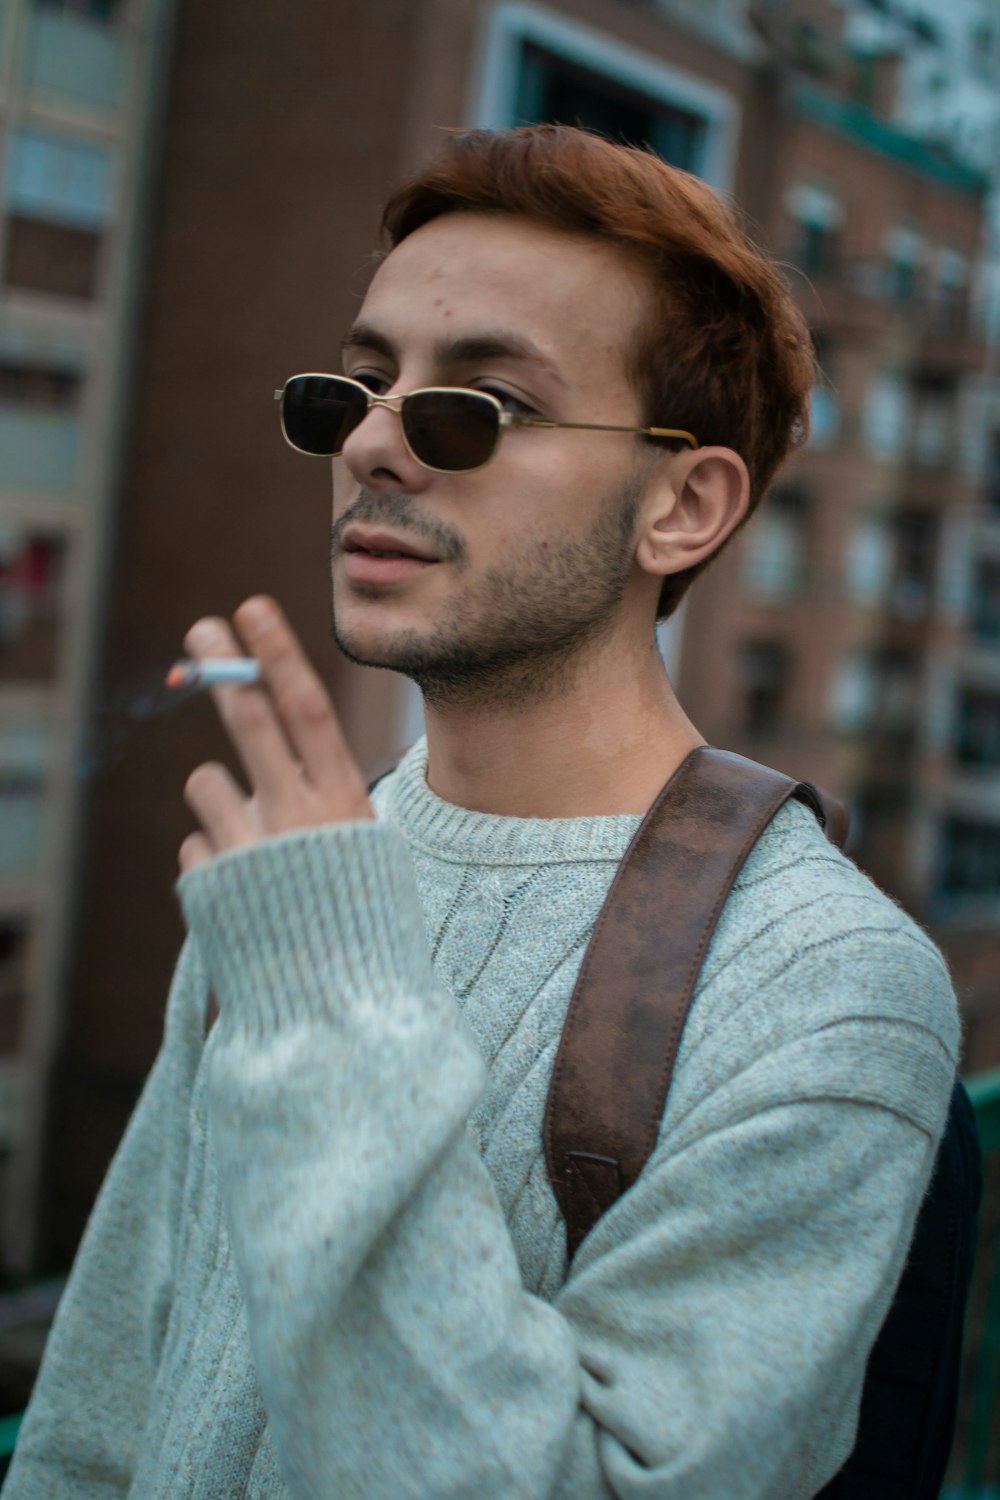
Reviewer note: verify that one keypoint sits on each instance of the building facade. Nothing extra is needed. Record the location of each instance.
(78, 98)
(853, 627)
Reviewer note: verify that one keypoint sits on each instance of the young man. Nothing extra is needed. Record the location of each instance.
(327, 1261)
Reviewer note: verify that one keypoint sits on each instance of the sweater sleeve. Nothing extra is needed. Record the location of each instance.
(84, 1424)
(712, 1336)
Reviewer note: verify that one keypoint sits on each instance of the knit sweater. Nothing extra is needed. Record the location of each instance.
(327, 1262)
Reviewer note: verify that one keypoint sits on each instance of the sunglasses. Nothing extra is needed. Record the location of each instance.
(445, 428)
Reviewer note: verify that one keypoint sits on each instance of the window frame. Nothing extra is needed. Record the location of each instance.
(513, 23)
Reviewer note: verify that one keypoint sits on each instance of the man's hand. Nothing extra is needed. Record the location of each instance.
(300, 770)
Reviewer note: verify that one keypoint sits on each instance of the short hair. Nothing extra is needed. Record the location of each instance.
(725, 354)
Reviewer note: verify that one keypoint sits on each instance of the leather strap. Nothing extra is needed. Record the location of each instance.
(632, 994)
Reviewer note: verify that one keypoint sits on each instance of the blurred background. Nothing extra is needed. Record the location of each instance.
(189, 199)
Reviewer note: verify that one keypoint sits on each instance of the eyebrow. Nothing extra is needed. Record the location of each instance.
(500, 343)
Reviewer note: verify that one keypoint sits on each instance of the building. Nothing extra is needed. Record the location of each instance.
(853, 634)
(78, 103)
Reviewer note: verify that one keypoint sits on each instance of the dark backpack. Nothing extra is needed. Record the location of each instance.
(612, 1072)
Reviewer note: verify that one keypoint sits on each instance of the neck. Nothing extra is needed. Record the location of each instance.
(603, 742)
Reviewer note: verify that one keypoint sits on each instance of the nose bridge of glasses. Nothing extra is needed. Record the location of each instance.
(391, 403)
(373, 400)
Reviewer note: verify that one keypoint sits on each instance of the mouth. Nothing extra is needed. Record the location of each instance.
(377, 556)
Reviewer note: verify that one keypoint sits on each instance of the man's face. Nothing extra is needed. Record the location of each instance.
(529, 558)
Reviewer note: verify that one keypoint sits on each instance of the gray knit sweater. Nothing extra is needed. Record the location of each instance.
(327, 1262)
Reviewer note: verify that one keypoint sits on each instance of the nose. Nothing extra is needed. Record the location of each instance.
(377, 456)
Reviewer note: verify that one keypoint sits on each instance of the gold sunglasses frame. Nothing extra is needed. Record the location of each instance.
(505, 419)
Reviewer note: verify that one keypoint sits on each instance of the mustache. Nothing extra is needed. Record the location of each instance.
(393, 508)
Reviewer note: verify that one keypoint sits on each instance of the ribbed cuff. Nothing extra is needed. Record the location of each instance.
(304, 924)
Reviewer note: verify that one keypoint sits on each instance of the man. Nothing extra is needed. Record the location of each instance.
(327, 1261)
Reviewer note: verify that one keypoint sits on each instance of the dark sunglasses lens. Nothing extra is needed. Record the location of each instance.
(321, 411)
(451, 430)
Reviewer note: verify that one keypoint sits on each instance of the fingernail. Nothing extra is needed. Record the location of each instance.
(202, 635)
(256, 614)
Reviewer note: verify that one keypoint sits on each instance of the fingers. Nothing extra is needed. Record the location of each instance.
(286, 733)
(303, 708)
(245, 711)
(195, 850)
(221, 807)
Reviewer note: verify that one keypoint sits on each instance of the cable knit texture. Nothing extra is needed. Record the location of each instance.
(327, 1262)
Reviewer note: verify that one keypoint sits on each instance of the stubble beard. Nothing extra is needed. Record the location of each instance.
(527, 629)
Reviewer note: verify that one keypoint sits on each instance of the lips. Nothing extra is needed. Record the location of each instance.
(373, 556)
(380, 543)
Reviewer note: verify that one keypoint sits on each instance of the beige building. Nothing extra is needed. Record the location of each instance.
(78, 96)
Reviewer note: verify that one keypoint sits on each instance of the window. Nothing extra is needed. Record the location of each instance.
(949, 290)
(40, 430)
(992, 475)
(886, 416)
(925, 31)
(32, 570)
(14, 959)
(818, 216)
(903, 248)
(23, 750)
(57, 178)
(854, 693)
(94, 10)
(875, 692)
(982, 50)
(916, 536)
(986, 600)
(868, 564)
(778, 544)
(933, 427)
(58, 202)
(824, 417)
(970, 864)
(555, 89)
(539, 64)
(977, 729)
(43, 387)
(767, 675)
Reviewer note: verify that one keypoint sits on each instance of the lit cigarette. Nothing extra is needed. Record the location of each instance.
(207, 673)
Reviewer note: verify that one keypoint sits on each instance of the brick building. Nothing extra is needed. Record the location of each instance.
(851, 635)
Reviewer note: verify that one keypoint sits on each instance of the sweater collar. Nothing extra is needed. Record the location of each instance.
(457, 833)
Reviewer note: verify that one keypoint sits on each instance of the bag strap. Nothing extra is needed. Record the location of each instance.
(627, 1010)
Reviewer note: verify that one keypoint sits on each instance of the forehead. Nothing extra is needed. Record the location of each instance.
(462, 272)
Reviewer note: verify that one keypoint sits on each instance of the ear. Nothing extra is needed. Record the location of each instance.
(693, 504)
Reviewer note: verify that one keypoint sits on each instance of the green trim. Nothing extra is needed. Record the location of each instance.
(852, 119)
(984, 1091)
(983, 1088)
(9, 1427)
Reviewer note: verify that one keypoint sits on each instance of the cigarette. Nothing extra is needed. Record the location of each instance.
(206, 673)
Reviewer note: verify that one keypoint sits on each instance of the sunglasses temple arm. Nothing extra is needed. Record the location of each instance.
(515, 420)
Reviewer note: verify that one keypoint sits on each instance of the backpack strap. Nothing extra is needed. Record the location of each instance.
(632, 994)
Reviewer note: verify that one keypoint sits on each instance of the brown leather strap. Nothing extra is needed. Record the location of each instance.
(628, 1008)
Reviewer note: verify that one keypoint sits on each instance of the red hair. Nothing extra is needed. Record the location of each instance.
(725, 353)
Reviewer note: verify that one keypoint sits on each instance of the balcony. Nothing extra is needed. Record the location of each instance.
(76, 58)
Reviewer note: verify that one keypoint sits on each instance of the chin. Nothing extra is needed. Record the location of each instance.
(369, 644)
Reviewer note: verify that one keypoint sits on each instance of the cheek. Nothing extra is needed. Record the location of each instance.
(344, 484)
